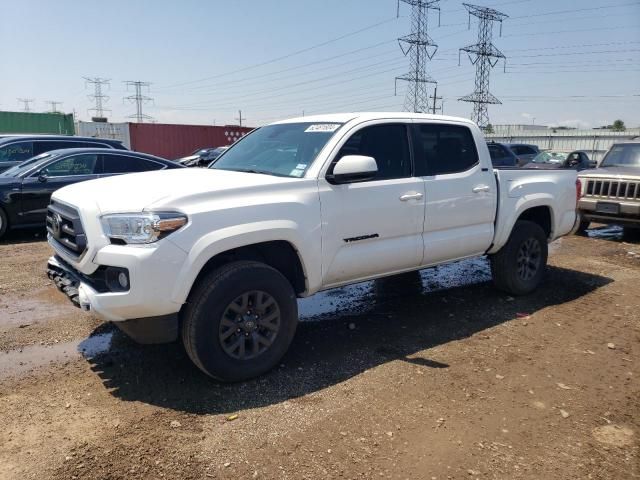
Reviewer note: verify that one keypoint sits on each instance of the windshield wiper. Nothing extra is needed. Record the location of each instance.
(252, 170)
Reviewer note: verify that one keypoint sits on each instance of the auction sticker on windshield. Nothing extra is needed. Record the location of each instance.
(323, 127)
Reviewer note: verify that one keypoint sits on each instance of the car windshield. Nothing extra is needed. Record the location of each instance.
(25, 166)
(550, 157)
(286, 149)
(622, 156)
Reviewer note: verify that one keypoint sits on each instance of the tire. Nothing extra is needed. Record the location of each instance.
(4, 223)
(512, 272)
(223, 337)
(631, 233)
(582, 229)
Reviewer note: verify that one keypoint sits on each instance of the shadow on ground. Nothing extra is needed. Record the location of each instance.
(397, 318)
(614, 233)
(26, 235)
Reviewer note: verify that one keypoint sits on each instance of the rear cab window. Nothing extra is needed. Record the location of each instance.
(443, 149)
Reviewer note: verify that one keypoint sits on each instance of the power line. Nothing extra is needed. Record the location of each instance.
(25, 103)
(283, 57)
(485, 56)
(98, 97)
(139, 99)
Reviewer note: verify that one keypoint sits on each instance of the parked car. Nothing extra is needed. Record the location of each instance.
(551, 159)
(202, 157)
(15, 149)
(291, 209)
(524, 152)
(501, 155)
(611, 193)
(25, 190)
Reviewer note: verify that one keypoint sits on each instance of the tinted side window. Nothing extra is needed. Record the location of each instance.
(496, 151)
(127, 164)
(41, 146)
(523, 150)
(16, 152)
(442, 149)
(388, 144)
(74, 165)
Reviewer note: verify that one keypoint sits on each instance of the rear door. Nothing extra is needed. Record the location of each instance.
(373, 227)
(37, 189)
(460, 194)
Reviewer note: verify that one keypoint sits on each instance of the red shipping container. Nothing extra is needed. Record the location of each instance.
(176, 141)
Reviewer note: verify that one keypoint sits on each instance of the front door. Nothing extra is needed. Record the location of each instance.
(460, 195)
(373, 227)
(38, 187)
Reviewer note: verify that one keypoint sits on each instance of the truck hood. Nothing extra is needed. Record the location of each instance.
(614, 172)
(137, 191)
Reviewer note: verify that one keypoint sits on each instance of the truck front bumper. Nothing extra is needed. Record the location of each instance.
(627, 214)
(83, 292)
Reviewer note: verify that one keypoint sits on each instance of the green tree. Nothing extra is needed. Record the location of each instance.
(618, 126)
(488, 128)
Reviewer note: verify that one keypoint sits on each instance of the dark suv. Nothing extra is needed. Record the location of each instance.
(14, 149)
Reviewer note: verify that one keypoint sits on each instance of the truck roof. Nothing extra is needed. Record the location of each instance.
(364, 116)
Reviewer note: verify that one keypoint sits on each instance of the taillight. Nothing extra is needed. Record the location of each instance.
(578, 190)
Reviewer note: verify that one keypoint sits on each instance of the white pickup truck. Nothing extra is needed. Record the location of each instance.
(219, 255)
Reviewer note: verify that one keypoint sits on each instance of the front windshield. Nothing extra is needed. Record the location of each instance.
(550, 157)
(24, 166)
(286, 149)
(622, 156)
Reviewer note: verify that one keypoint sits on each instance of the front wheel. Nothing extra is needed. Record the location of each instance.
(4, 223)
(518, 268)
(239, 321)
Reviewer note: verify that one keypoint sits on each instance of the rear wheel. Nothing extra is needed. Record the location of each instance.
(518, 268)
(4, 223)
(239, 321)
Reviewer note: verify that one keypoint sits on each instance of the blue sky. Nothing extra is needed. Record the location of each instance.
(274, 59)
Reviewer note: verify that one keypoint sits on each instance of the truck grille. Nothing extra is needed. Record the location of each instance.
(65, 227)
(620, 189)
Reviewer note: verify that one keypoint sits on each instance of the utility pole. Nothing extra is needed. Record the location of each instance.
(54, 106)
(139, 99)
(420, 48)
(25, 102)
(435, 99)
(98, 97)
(484, 55)
(240, 117)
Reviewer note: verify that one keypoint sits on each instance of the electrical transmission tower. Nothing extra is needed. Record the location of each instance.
(139, 99)
(240, 118)
(484, 55)
(98, 97)
(54, 106)
(25, 102)
(420, 48)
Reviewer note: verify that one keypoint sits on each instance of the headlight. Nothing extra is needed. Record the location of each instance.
(141, 227)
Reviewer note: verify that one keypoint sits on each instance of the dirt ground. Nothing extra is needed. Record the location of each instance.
(423, 376)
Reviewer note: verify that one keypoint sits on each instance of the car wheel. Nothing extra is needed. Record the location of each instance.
(518, 268)
(4, 223)
(631, 233)
(582, 228)
(239, 320)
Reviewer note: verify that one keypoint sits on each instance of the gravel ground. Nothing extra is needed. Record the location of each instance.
(432, 375)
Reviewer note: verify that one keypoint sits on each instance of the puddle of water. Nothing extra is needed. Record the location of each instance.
(363, 297)
(16, 362)
(37, 308)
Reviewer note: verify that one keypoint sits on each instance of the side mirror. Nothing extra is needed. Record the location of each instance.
(593, 164)
(353, 168)
(42, 175)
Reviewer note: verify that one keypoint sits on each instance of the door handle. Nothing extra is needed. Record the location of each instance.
(481, 188)
(410, 196)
